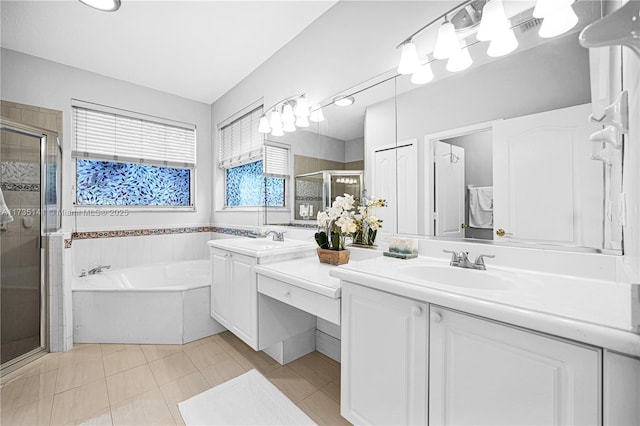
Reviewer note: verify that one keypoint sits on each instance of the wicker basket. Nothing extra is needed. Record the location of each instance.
(333, 257)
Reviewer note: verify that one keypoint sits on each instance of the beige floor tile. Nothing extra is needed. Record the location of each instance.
(48, 362)
(196, 343)
(80, 403)
(291, 383)
(206, 354)
(154, 352)
(173, 367)
(181, 390)
(333, 390)
(146, 409)
(80, 374)
(223, 371)
(322, 409)
(123, 360)
(252, 359)
(229, 342)
(130, 383)
(87, 349)
(25, 390)
(35, 413)
(101, 418)
(317, 368)
(72, 357)
(108, 348)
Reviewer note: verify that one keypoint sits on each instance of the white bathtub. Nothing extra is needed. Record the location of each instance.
(157, 304)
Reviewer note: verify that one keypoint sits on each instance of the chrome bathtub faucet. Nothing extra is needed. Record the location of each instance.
(460, 259)
(98, 269)
(277, 236)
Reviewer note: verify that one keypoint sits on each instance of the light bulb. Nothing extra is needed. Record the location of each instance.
(302, 107)
(275, 120)
(302, 122)
(277, 132)
(316, 114)
(423, 75)
(502, 44)
(558, 22)
(408, 59)
(287, 114)
(494, 21)
(546, 8)
(264, 127)
(460, 60)
(289, 127)
(447, 42)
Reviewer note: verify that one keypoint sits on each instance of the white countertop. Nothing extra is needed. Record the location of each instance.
(262, 247)
(307, 273)
(591, 311)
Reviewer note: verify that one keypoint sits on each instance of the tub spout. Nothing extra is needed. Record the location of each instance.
(98, 269)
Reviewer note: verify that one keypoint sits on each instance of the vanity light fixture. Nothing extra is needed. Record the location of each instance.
(423, 75)
(103, 5)
(316, 114)
(459, 61)
(287, 115)
(447, 43)
(344, 100)
(264, 127)
(558, 22)
(409, 60)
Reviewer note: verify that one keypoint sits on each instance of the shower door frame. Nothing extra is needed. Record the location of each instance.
(43, 135)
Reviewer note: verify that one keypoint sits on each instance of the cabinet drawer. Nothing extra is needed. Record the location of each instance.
(316, 304)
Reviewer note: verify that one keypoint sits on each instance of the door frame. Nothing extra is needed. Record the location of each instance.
(429, 169)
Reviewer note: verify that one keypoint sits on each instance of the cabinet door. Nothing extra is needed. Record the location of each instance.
(384, 353)
(244, 302)
(484, 373)
(220, 286)
(621, 390)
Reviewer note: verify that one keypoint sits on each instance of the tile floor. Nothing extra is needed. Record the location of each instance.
(100, 384)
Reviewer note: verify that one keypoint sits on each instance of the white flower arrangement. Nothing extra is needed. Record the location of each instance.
(366, 223)
(337, 222)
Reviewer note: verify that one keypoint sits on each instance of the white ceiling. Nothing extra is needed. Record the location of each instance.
(195, 49)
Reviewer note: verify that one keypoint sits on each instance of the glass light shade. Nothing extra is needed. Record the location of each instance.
(287, 114)
(447, 42)
(316, 114)
(302, 107)
(460, 60)
(289, 127)
(494, 21)
(502, 44)
(343, 100)
(104, 5)
(409, 60)
(423, 75)
(277, 132)
(546, 8)
(275, 120)
(558, 23)
(302, 122)
(264, 127)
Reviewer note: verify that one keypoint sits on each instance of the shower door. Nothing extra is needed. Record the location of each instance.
(27, 194)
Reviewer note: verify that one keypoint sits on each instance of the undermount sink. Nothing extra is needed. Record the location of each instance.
(459, 277)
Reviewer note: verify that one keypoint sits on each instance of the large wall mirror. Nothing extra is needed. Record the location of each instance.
(498, 153)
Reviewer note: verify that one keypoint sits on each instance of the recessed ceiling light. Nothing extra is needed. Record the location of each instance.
(343, 100)
(104, 5)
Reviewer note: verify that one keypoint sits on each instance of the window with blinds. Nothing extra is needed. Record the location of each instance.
(240, 141)
(276, 161)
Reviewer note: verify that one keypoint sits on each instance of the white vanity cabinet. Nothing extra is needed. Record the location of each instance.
(384, 357)
(233, 294)
(483, 372)
(621, 390)
(408, 362)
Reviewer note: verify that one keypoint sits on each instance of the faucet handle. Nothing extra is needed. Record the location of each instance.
(455, 257)
(479, 263)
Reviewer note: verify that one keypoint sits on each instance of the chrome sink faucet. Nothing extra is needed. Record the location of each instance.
(460, 259)
(277, 236)
(97, 269)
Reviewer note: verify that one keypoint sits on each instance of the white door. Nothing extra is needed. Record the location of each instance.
(384, 186)
(407, 187)
(546, 190)
(484, 373)
(449, 190)
(244, 301)
(384, 349)
(220, 286)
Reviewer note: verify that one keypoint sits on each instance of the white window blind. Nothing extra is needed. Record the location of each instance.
(276, 161)
(240, 141)
(113, 136)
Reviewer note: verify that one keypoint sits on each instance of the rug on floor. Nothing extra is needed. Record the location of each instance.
(249, 399)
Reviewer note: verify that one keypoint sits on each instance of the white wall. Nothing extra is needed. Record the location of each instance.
(311, 144)
(35, 81)
(354, 150)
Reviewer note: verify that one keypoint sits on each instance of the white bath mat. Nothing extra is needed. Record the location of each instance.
(249, 399)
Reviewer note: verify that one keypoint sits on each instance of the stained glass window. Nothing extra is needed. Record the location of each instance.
(108, 183)
(246, 186)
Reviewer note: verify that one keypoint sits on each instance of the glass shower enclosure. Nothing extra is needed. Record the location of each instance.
(317, 190)
(29, 183)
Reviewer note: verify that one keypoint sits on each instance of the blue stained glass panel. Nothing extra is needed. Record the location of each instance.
(107, 183)
(246, 186)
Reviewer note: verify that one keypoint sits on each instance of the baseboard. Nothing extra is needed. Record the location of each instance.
(328, 345)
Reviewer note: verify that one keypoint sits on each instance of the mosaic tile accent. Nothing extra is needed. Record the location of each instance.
(19, 172)
(246, 186)
(107, 183)
(31, 187)
(305, 198)
(67, 243)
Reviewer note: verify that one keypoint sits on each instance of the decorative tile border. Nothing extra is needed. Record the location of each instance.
(7, 186)
(67, 243)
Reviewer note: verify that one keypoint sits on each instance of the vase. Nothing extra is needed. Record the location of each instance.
(333, 257)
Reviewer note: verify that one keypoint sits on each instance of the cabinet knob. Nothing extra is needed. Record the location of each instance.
(227, 255)
(436, 317)
(417, 311)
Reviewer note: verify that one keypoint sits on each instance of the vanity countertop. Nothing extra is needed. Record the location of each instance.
(307, 273)
(596, 312)
(263, 247)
